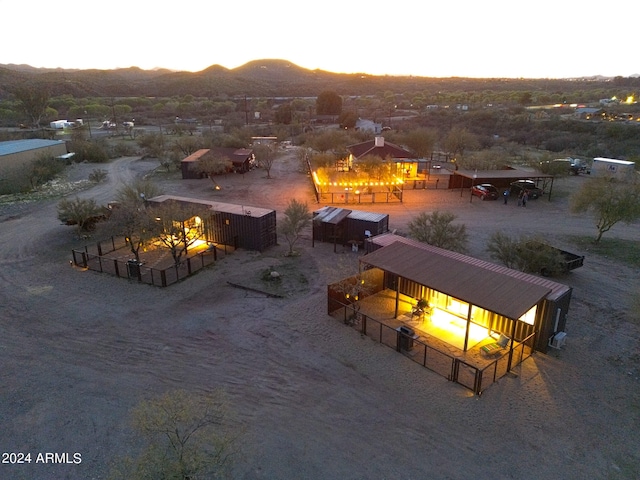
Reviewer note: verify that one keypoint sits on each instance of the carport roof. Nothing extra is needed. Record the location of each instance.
(512, 173)
(460, 276)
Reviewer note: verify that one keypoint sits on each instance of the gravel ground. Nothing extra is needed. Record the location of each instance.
(316, 400)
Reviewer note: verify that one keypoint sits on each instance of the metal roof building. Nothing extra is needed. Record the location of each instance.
(411, 267)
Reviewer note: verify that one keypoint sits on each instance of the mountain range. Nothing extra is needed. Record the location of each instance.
(269, 77)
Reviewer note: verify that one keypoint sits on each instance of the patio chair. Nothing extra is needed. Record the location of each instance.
(495, 347)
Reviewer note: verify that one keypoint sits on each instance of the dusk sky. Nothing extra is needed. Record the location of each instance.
(463, 38)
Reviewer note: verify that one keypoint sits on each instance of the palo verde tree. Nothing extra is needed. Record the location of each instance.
(437, 229)
(527, 254)
(265, 156)
(185, 435)
(129, 216)
(33, 100)
(296, 218)
(609, 200)
(81, 212)
(179, 225)
(421, 141)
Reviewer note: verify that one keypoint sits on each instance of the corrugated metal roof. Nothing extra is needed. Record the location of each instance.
(247, 210)
(334, 215)
(331, 215)
(460, 276)
(17, 146)
(557, 289)
(367, 216)
(511, 173)
(195, 156)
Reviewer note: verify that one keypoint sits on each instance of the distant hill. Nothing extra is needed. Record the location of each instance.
(269, 77)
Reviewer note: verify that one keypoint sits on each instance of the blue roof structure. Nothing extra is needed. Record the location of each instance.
(18, 146)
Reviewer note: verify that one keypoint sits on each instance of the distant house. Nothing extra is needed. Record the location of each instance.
(387, 151)
(365, 125)
(241, 158)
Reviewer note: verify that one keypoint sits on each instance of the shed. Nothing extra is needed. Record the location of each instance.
(240, 158)
(341, 225)
(238, 226)
(611, 167)
(15, 154)
(504, 300)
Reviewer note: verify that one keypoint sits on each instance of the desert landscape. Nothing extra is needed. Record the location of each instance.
(315, 399)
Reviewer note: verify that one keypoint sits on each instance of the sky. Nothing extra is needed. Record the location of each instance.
(446, 38)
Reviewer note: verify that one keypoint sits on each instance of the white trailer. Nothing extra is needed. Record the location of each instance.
(610, 167)
(59, 124)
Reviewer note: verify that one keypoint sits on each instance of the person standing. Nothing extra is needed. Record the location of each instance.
(520, 198)
(525, 197)
(505, 195)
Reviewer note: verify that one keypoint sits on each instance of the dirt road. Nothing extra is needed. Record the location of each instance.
(317, 401)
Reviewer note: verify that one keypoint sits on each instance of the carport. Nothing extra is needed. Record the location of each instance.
(500, 178)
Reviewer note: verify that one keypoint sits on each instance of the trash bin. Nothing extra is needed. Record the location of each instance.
(405, 337)
(133, 266)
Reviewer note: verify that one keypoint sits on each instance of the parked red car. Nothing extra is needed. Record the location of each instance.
(485, 191)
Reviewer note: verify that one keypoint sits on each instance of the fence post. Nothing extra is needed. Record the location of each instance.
(163, 278)
(99, 249)
(364, 324)
(115, 264)
(84, 259)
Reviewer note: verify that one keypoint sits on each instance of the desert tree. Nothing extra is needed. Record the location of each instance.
(137, 192)
(353, 290)
(421, 141)
(527, 254)
(43, 169)
(129, 217)
(184, 435)
(81, 212)
(328, 102)
(610, 201)
(33, 100)
(212, 164)
(187, 145)
(296, 218)
(265, 156)
(437, 229)
(458, 141)
(178, 225)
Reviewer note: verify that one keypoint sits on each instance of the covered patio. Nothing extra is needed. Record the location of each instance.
(477, 317)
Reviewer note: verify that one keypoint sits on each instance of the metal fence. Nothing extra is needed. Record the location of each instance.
(475, 378)
(96, 258)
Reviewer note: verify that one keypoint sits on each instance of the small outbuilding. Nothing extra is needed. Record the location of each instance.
(242, 160)
(237, 226)
(344, 226)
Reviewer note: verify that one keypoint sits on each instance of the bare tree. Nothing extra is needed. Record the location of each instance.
(296, 218)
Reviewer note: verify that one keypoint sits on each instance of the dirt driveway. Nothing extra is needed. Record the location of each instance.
(317, 400)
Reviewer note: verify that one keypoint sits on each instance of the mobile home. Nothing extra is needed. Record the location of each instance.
(610, 167)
